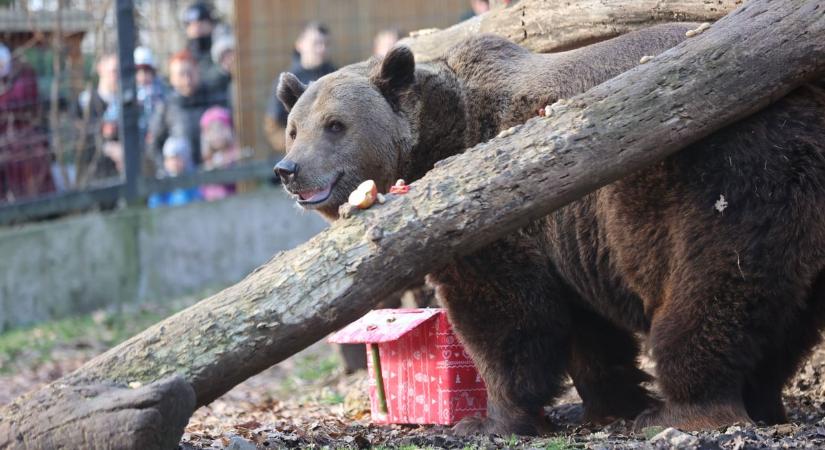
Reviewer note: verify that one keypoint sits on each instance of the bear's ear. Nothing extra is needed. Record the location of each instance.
(396, 73)
(289, 89)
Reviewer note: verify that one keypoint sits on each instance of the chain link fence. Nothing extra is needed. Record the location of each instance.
(163, 102)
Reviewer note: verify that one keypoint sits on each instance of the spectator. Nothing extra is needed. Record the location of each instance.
(477, 7)
(220, 149)
(200, 23)
(223, 55)
(384, 41)
(183, 108)
(177, 160)
(311, 63)
(151, 91)
(150, 94)
(110, 139)
(96, 113)
(25, 161)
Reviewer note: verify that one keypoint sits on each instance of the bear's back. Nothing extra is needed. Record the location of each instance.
(503, 79)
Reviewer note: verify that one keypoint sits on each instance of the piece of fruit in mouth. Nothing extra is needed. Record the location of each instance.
(364, 195)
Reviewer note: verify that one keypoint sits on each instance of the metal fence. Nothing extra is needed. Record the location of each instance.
(88, 121)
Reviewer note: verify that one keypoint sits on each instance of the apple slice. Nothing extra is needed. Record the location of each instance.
(364, 195)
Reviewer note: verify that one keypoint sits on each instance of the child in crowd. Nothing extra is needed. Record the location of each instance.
(177, 159)
(151, 91)
(219, 149)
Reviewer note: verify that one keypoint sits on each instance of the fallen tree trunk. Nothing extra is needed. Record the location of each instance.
(551, 26)
(469, 200)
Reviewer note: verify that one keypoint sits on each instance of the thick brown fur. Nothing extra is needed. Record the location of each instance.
(716, 254)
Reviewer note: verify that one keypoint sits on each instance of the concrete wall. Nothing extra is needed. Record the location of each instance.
(79, 264)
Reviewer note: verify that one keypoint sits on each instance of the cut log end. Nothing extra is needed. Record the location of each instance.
(100, 416)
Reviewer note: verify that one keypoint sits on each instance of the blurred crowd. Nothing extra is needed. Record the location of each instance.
(185, 121)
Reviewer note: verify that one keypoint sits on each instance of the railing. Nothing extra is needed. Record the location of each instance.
(50, 205)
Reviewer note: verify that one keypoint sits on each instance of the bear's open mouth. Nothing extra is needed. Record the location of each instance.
(316, 196)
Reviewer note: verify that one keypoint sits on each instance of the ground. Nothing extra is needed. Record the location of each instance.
(307, 402)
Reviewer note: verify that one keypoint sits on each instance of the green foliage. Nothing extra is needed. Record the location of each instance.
(404, 447)
(333, 398)
(560, 443)
(315, 367)
(649, 432)
(512, 441)
(97, 331)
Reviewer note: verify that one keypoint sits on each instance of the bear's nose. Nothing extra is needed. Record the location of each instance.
(286, 169)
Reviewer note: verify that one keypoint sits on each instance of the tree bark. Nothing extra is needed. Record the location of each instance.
(546, 26)
(465, 202)
(100, 416)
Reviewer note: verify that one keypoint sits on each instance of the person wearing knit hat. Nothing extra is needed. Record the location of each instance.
(151, 91)
(177, 156)
(177, 160)
(219, 149)
(200, 23)
(223, 52)
(144, 58)
(216, 113)
(223, 55)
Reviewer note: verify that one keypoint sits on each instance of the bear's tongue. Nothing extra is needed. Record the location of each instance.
(314, 195)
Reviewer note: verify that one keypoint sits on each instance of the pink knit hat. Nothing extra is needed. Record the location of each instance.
(214, 113)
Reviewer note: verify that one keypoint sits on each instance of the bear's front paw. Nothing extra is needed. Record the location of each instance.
(650, 417)
(692, 417)
(484, 425)
(473, 425)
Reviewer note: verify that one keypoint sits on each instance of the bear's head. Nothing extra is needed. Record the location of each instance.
(347, 127)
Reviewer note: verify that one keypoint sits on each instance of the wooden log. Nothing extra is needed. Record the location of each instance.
(100, 416)
(467, 201)
(556, 25)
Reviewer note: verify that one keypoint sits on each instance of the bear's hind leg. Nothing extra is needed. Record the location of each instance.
(763, 386)
(710, 336)
(702, 352)
(604, 368)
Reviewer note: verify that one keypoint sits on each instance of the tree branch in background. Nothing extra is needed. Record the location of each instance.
(551, 26)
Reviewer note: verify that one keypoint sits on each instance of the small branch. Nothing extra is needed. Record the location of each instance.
(379, 378)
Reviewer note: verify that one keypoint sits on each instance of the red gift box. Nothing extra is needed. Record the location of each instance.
(426, 375)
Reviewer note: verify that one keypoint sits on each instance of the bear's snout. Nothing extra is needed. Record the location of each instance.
(286, 169)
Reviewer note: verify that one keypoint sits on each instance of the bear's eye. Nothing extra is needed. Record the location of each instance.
(335, 126)
(292, 133)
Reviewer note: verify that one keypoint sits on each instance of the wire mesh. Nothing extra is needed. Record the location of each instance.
(60, 103)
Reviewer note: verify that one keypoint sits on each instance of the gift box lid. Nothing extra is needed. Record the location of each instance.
(383, 325)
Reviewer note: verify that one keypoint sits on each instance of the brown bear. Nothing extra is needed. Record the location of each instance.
(716, 255)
